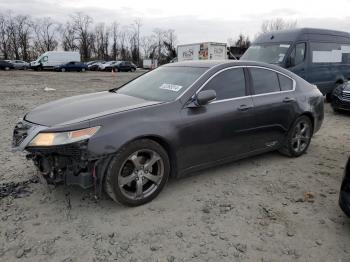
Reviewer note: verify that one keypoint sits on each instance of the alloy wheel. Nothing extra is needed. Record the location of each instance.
(141, 174)
(301, 136)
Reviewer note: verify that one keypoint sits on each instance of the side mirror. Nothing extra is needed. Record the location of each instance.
(204, 97)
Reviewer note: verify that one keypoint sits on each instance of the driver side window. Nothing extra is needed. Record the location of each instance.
(298, 54)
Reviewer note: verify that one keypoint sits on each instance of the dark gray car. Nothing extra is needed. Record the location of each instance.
(171, 121)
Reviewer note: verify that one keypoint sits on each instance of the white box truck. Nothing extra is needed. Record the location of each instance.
(202, 51)
(53, 58)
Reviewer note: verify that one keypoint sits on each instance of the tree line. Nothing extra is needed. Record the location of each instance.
(24, 37)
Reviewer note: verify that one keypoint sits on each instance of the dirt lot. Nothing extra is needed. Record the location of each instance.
(251, 210)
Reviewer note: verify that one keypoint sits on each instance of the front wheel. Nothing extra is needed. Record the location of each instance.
(63, 70)
(83, 70)
(137, 173)
(298, 138)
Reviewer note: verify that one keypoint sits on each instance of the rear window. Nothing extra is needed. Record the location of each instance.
(285, 82)
(264, 81)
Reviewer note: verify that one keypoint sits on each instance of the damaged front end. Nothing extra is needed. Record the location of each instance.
(62, 157)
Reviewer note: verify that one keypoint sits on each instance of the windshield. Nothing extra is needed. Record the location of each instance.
(162, 84)
(268, 53)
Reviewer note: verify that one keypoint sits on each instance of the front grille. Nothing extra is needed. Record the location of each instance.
(20, 132)
(346, 95)
(77, 149)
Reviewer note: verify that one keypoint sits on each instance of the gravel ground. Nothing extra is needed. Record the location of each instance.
(265, 208)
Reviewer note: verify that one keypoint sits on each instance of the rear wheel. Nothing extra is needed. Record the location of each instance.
(132, 69)
(298, 138)
(7, 68)
(63, 70)
(138, 173)
(83, 70)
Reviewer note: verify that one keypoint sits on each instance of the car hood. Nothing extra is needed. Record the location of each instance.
(84, 107)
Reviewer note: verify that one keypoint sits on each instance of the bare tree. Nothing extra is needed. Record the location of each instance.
(102, 41)
(277, 25)
(148, 45)
(114, 31)
(69, 40)
(81, 26)
(169, 43)
(138, 24)
(4, 37)
(46, 38)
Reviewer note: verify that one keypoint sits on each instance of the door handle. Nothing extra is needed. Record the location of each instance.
(288, 100)
(244, 107)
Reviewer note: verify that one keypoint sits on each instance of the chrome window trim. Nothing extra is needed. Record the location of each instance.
(188, 88)
(257, 95)
(276, 92)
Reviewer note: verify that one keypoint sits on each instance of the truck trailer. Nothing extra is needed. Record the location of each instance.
(202, 51)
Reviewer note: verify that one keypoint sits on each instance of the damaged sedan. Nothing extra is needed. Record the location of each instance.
(177, 119)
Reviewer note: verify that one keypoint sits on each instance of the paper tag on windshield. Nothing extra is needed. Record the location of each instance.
(286, 46)
(170, 87)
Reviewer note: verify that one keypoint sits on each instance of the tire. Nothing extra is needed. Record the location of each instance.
(129, 166)
(7, 68)
(83, 70)
(63, 70)
(132, 69)
(297, 140)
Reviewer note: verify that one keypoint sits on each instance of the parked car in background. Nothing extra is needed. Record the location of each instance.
(320, 56)
(344, 196)
(341, 97)
(108, 66)
(125, 66)
(72, 66)
(95, 66)
(176, 119)
(19, 64)
(102, 66)
(111, 65)
(6, 65)
(51, 59)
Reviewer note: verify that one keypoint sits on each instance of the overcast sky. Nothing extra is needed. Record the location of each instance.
(193, 21)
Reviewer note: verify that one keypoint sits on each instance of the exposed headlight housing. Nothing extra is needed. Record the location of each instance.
(63, 138)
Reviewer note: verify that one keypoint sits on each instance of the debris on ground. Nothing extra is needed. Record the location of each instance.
(17, 189)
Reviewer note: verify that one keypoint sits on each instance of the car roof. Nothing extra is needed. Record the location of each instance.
(227, 63)
(213, 63)
(298, 34)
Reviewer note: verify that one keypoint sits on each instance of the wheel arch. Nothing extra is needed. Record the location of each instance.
(312, 118)
(167, 147)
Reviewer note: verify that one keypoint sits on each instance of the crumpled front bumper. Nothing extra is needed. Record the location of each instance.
(69, 164)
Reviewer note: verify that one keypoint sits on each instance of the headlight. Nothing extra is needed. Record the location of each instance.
(62, 138)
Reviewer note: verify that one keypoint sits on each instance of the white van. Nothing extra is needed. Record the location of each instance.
(54, 58)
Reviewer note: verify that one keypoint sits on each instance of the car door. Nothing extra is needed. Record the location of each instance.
(220, 129)
(274, 106)
(297, 62)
